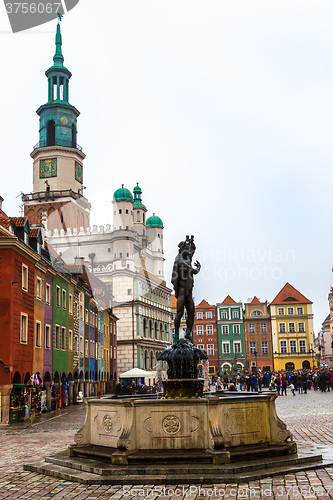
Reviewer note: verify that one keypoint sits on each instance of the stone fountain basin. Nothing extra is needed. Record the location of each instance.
(208, 424)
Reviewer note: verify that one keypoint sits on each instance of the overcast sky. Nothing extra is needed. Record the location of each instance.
(221, 110)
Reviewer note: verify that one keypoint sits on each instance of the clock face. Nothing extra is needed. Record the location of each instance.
(48, 168)
(78, 172)
(64, 120)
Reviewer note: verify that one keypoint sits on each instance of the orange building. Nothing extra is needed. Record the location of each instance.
(257, 336)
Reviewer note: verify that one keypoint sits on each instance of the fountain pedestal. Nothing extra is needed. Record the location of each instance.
(214, 427)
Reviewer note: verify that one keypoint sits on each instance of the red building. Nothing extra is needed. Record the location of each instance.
(17, 289)
(205, 333)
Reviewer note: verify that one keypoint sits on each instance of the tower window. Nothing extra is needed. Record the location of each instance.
(73, 136)
(61, 89)
(127, 211)
(120, 211)
(51, 133)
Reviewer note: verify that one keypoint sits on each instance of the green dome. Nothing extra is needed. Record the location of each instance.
(122, 194)
(154, 221)
(139, 204)
(137, 189)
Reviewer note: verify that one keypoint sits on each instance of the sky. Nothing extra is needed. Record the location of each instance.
(221, 110)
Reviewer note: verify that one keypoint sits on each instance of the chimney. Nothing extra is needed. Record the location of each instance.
(79, 261)
(1, 200)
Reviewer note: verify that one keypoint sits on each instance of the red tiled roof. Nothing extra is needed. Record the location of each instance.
(34, 232)
(289, 295)
(229, 300)
(255, 300)
(173, 301)
(19, 221)
(204, 303)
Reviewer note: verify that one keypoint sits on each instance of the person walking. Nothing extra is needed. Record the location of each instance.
(292, 388)
(284, 384)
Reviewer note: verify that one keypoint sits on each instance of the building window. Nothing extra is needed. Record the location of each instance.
(300, 310)
(57, 337)
(251, 327)
(301, 327)
(302, 346)
(293, 347)
(76, 344)
(292, 327)
(256, 313)
(25, 274)
(263, 327)
(225, 329)
(264, 347)
(87, 317)
(48, 294)
(47, 336)
(38, 333)
(282, 327)
(63, 338)
(283, 345)
(209, 315)
(281, 311)
(64, 299)
(290, 310)
(210, 349)
(39, 288)
(226, 348)
(86, 349)
(236, 329)
(199, 315)
(235, 314)
(209, 329)
(70, 304)
(199, 330)
(58, 296)
(223, 315)
(81, 346)
(81, 312)
(70, 340)
(252, 347)
(237, 347)
(24, 329)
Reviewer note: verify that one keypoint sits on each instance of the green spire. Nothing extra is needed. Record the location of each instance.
(58, 57)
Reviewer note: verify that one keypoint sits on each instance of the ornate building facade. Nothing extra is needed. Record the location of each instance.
(126, 255)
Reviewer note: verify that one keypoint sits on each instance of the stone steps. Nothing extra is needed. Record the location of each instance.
(202, 477)
(94, 471)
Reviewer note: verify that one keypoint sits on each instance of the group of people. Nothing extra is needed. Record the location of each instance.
(296, 380)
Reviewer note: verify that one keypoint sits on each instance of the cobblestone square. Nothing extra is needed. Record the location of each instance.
(308, 416)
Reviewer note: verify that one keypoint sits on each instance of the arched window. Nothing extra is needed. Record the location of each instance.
(256, 313)
(50, 133)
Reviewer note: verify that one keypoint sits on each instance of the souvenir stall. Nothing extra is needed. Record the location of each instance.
(19, 407)
(36, 395)
(64, 393)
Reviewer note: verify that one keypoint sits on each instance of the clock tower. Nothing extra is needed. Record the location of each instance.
(57, 157)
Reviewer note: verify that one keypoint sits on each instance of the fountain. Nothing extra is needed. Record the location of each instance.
(183, 436)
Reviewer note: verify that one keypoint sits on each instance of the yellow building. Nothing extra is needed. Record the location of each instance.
(292, 330)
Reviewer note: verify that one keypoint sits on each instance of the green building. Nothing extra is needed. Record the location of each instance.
(230, 333)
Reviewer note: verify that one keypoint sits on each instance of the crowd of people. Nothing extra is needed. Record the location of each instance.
(299, 381)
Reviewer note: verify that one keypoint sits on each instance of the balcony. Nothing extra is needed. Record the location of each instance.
(59, 142)
(51, 195)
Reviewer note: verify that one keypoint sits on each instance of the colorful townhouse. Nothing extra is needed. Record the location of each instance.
(292, 330)
(44, 327)
(257, 336)
(230, 336)
(205, 334)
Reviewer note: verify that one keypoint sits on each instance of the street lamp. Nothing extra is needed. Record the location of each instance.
(256, 354)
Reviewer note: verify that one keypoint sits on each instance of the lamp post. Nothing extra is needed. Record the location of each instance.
(256, 354)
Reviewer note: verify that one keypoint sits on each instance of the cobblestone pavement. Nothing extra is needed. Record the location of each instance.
(308, 416)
